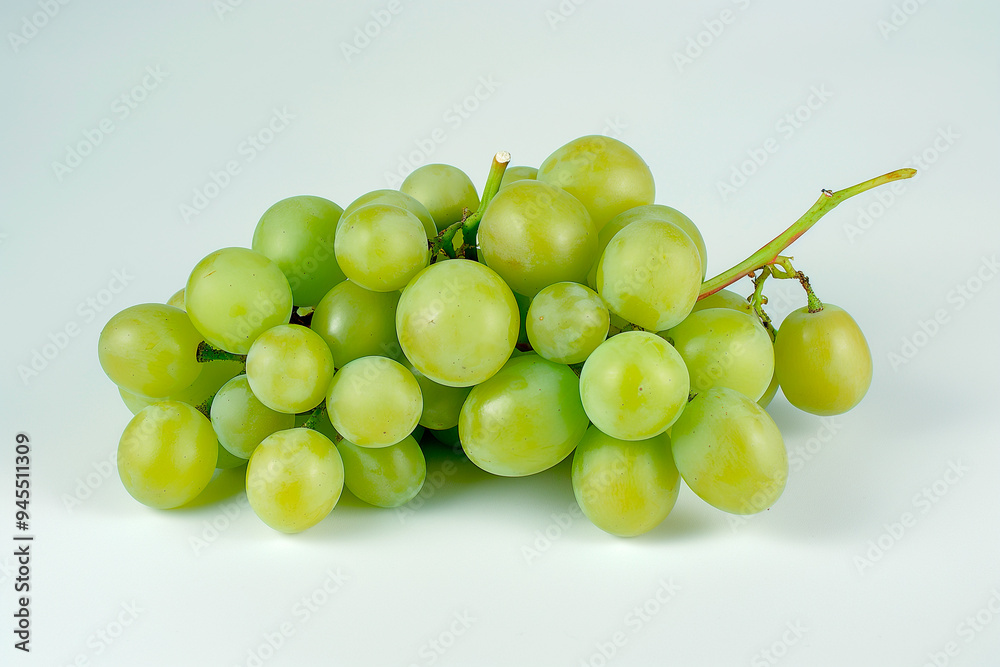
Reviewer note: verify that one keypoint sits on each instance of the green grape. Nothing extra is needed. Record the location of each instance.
(457, 322)
(298, 234)
(235, 294)
(177, 299)
(723, 347)
(381, 247)
(822, 360)
(523, 304)
(534, 234)
(634, 385)
(625, 488)
(769, 393)
(289, 368)
(520, 173)
(356, 322)
(650, 274)
(294, 479)
(448, 437)
(606, 175)
(150, 349)
(387, 476)
(213, 375)
(399, 200)
(442, 404)
(227, 460)
(445, 190)
(374, 402)
(730, 452)
(566, 322)
(167, 454)
(724, 299)
(525, 419)
(241, 421)
(650, 212)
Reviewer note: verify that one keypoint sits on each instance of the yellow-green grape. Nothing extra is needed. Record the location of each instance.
(457, 322)
(167, 454)
(822, 360)
(517, 173)
(398, 199)
(566, 322)
(442, 404)
(289, 368)
(150, 349)
(534, 234)
(769, 393)
(525, 419)
(177, 299)
(730, 452)
(523, 304)
(724, 299)
(356, 322)
(381, 247)
(725, 348)
(625, 488)
(298, 235)
(294, 479)
(241, 421)
(374, 402)
(235, 294)
(386, 476)
(650, 274)
(445, 190)
(227, 460)
(213, 375)
(651, 212)
(606, 175)
(634, 385)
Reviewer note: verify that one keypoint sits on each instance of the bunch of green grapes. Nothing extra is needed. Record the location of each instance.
(559, 315)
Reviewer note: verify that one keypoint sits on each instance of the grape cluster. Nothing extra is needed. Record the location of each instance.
(563, 314)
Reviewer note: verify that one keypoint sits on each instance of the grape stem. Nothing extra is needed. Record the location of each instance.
(207, 352)
(770, 253)
(469, 225)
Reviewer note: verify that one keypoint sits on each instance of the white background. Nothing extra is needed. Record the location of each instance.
(875, 555)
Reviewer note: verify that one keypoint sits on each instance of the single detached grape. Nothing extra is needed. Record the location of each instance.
(730, 452)
(399, 200)
(167, 454)
(822, 360)
(534, 234)
(235, 294)
(381, 247)
(385, 476)
(445, 190)
(294, 479)
(606, 175)
(634, 385)
(289, 368)
(650, 274)
(566, 322)
(241, 421)
(457, 322)
(726, 348)
(374, 402)
(356, 322)
(525, 419)
(625, 488)
(150, 349)
(298, 235)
